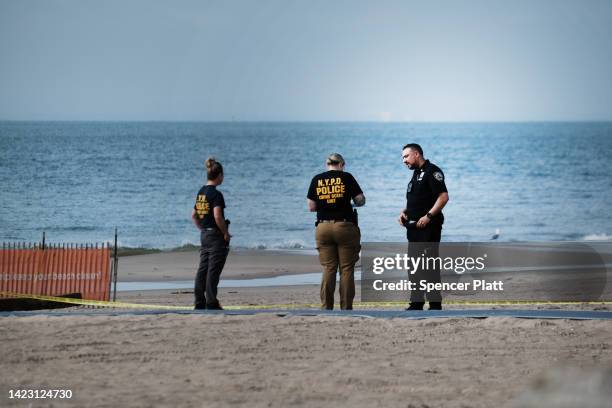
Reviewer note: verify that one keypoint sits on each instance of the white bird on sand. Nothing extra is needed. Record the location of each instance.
(496, 235)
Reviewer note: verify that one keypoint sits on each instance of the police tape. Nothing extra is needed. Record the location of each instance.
(87, 302)
(126, 305)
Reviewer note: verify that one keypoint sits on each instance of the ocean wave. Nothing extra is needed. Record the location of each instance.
(77, 228)
(288, 244)
(597, 237)
(184, 247)
(11, 238)
(143, 250)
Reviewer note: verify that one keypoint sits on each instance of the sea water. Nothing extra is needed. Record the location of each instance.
(77, 181)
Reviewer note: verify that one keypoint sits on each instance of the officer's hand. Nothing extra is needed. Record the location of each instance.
(423, 221)
(402, 219)
(227, 237)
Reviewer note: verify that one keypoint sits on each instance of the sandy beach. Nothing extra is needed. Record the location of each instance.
(268, 360)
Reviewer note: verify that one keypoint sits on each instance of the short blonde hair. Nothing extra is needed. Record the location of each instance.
(335, 159)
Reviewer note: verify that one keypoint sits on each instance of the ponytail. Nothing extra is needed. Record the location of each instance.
(213, 168)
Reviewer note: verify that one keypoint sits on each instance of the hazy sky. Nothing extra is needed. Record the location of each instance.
(306, 60)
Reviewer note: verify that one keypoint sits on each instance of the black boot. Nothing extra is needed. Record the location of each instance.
(416, 306)
(214, 306)
(435, 305)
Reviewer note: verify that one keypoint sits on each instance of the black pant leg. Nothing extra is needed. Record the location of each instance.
(433, 251)
(419, 237)
(201, 275)
(218, 255)
(415, 250)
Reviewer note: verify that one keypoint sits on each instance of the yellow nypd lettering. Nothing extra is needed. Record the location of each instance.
(330, 189)
(202, 206)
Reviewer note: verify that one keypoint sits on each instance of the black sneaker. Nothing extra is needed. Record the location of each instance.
(435, 305)
(214, 307)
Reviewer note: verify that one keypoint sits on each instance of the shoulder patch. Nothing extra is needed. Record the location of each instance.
(438, 176)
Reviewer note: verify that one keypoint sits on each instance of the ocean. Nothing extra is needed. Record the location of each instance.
(77, 181)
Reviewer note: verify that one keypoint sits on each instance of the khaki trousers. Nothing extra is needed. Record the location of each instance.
(338, 244)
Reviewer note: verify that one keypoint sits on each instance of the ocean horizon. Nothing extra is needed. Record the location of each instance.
(78, 180)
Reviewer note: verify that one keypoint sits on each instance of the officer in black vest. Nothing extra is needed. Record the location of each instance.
(426, 196)
(208, 216)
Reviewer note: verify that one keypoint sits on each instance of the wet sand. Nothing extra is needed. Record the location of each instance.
(241, 264)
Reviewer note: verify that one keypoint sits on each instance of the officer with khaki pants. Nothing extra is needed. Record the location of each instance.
(337, 234)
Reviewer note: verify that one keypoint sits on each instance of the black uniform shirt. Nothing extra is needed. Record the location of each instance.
(333, 191)
(208, 198)
(423, 190)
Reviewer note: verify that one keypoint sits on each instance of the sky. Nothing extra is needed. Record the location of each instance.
(287, 60)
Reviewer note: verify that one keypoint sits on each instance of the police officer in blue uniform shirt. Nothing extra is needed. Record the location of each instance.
(426, 196)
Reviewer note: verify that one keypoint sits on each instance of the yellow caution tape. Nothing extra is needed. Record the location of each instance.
(87, 302)
(125, 305)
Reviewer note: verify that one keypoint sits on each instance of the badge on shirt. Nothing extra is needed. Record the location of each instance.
(421, 176)
(438, 176)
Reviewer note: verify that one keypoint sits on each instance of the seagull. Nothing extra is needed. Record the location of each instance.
(496, 235)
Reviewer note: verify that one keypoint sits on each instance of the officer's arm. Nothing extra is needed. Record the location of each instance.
(194, 218)
(439, 204)
(312, 205)
(219, 220)
(359, 200)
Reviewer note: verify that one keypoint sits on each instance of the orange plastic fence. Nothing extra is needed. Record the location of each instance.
(56, 271)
